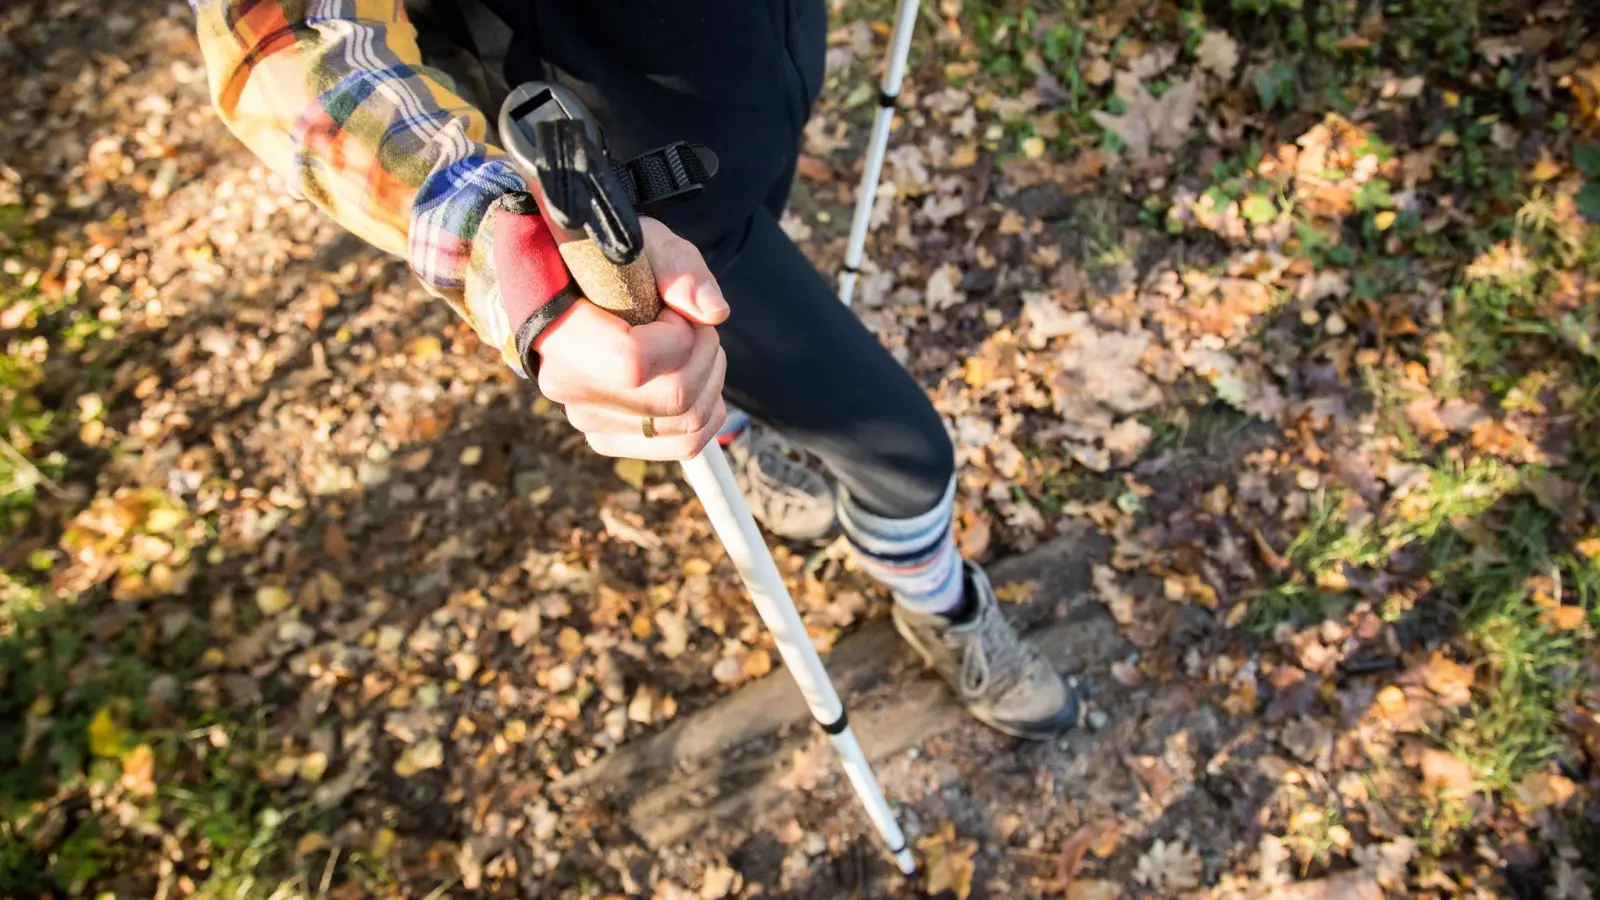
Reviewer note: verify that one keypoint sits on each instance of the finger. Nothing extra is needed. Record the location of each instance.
(603, 420)
(637, 446)
(590, 345)
(675, 394)
(672, 394)
(685, 282)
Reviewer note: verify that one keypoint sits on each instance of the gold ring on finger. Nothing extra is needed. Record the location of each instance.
(648, 424)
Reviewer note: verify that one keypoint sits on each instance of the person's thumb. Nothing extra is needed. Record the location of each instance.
(685, 283)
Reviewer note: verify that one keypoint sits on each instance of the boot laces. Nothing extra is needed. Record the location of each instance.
(994, 657)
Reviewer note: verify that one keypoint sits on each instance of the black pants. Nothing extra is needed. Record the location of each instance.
(740, 76)
(800, 361)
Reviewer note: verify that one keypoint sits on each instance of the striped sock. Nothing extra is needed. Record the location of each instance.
(914, 558)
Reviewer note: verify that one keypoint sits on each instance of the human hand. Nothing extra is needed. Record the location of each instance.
(649, 391)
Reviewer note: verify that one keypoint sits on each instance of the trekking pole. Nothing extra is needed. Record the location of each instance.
(894, 72)
(558, 148)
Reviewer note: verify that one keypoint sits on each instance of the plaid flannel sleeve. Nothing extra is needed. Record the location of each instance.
(332, 95)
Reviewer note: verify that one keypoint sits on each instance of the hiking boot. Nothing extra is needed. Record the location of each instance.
(786, 492)
(1003, 680)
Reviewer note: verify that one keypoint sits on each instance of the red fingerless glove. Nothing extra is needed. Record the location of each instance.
(535, 286)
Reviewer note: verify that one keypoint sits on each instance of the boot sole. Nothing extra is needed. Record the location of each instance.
(1064, 720)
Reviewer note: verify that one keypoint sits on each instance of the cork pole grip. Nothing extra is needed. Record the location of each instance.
(627, 291)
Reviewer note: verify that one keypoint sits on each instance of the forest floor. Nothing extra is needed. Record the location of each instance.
(1282, 315)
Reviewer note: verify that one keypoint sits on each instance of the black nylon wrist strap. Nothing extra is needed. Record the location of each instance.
(542, 318)
(666, 175)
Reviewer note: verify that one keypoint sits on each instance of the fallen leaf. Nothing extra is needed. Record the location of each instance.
(1500, 49)
(641, 708)
(1310, 739)
(1094, 889)
(1545, 790)
(272, 600)
(1098, 71)
(1127, 439)
(1100, 378)
(1570, 882)
(947, 861)
(1565, 618)
(1217, 500)
(1391, 701)
(1108, 588)
(1148, 122)
(1546, 169)
(1217, 52)
(631, 471)
(1386, 862)
(105, 734)
(1152, 772)
(757, 664)
(1244, 694)
(1168, 868)
(943, 291)
(1241, 385)
(727, 670)
(1048, 317)
(164, 520)
(1448, 679)
(1356, 885)
(138, 770)
(973, 533)
(626, 531)
(1069, 859)
(384, 841)
(814, 168)
(1443, 769)
(1146, 62)
(425, 349)
(313, 766)
(425, 754)
(465, 664)
(1015, 592)
(809, 766)
(1556, 494)
(674, 633)
(719, 881)
(1107, 841)
(524, 624)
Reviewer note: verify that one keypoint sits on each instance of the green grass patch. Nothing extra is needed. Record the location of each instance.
(1514, 726)
(1332, 545)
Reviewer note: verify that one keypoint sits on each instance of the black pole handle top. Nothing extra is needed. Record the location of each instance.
(590, 203)
(582, 192)
(556, 142)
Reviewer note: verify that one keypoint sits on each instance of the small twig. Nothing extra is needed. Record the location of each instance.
(26, 463)
(438, 892)
(327, 873)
